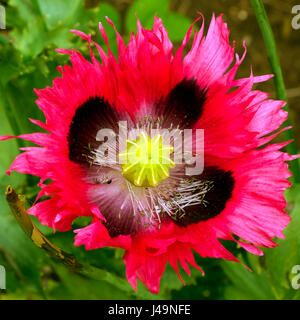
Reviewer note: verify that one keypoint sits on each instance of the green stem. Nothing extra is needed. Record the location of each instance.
(273, 58)
(63, 257)
(11, 115)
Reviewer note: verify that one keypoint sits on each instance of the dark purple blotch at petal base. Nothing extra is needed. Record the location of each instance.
(214, 200)
(89, 118)
(183, 106)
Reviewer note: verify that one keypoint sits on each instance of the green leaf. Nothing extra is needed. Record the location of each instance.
(10, 61)
(20, 97)
(73, 286)
(145, 10)
(272, 274)
(3, 40)
(247, 285)
(20, 256)
(38, 29)
(106, 10)
(280, 260)
(175, 23)
(210, 286)
(8, 149)
(30, 36)
(107, 264)
(27, 9)
(57, 12)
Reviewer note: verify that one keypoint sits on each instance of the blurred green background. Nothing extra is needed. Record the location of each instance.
(28, 60)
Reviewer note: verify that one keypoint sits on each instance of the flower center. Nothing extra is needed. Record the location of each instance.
(146, 161)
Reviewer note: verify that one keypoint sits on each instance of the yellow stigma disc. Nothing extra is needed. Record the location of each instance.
(146, 161)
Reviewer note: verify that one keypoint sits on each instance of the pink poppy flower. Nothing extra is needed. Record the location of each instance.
(153, 207)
